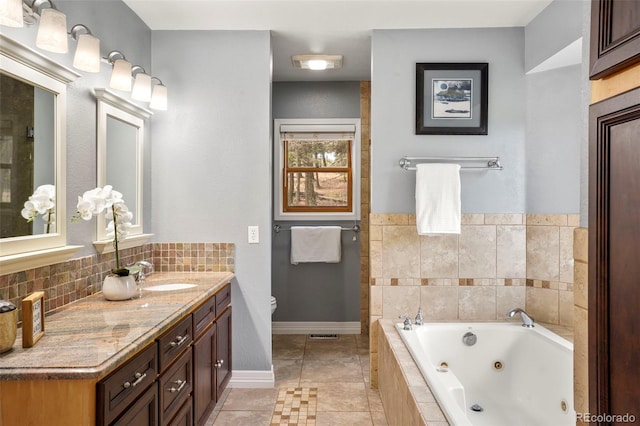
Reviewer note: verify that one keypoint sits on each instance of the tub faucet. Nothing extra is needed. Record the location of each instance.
(419, 318)
(527, 320)
(407, 322)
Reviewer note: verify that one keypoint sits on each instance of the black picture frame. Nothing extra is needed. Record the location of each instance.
(452, 98)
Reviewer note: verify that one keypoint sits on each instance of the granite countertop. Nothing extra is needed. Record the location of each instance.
(91, 337)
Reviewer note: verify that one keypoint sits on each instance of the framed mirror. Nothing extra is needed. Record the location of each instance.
(121, 126)
(32, 157)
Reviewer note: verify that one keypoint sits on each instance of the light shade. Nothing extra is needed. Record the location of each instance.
(142, 87)
(317, 62)
(121, 75)
(159, 97)
(11, 13)
(52, 31)
(87, 57)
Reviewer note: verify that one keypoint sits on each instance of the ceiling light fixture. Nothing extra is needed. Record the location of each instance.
(317, 62)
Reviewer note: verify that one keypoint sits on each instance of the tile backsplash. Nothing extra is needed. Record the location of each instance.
(68, 281)
(498, 262)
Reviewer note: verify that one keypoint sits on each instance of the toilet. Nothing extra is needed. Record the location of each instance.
(274, 305)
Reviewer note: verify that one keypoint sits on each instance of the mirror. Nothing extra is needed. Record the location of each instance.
(32, 153)
(120, 161)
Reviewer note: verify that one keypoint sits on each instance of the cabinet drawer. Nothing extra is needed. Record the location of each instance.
(184, 416)
(175, 386)
(143, 412)
(223, 299)
(119, 390)
(173, 342)
(204, 315)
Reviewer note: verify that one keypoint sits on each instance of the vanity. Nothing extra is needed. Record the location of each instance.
(164, 358)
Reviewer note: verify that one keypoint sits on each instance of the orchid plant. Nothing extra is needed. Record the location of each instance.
(42, 202)
(109, 201)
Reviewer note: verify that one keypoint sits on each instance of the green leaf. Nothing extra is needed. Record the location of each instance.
(123, 272)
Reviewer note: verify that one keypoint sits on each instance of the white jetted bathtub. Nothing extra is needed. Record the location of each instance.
(495, 373)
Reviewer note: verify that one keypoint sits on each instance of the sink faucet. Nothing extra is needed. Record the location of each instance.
(527, 320)
(144, 264)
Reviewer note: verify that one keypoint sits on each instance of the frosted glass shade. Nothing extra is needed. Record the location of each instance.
(142, 87)
(159, 97)
(11, 13)
(87, 57)
(52, 31)
(121, 75)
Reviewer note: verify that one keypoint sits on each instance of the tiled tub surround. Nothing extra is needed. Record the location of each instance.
(580, 322)
(405, 395)
(499, 261)
(75, 279)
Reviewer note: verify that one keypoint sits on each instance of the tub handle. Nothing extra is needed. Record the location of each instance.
(407, 322)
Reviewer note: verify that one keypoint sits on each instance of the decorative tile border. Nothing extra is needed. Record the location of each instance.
(295, 406)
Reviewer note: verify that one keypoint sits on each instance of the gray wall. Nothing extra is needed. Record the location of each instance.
(211, 168)
(316, 292)
(118, 28)
(394, 55)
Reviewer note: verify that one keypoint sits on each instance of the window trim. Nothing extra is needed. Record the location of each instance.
(311, 125)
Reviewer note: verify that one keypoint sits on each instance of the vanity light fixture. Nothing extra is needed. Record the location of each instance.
(159, 96)
(141, 84)
(317, 62)
(87, 56)
(121, 74)
(52, 29)
(11, 13)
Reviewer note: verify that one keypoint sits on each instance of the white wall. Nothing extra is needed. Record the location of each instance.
(211, 167)
(395, 53)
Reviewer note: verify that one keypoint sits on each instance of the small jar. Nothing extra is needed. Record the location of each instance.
(8, 325)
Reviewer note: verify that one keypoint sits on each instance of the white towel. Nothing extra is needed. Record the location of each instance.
(315, 244)
(438, 198)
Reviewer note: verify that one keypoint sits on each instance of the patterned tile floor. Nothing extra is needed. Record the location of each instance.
(318, 382)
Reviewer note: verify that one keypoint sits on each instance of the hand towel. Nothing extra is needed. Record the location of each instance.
(315, 244)
(438, 198)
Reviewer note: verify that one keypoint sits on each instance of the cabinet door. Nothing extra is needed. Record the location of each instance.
(223, 356)
(175, 386)
(184, 416)
(204, 384)
(143, 412)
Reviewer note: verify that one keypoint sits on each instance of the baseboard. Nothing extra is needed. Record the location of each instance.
(309, 327)
(252, 379)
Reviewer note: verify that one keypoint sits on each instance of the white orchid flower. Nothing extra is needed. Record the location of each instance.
(43, 201)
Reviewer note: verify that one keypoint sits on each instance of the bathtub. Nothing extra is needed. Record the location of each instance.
(511, 375)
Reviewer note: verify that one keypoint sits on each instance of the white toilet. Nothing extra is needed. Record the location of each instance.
(274, 305)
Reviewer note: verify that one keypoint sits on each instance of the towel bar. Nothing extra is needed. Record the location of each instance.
(278, 228)
(492, 163)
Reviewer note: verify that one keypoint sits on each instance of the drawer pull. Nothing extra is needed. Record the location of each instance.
(179, 340)
(138, 376)
(181, 384)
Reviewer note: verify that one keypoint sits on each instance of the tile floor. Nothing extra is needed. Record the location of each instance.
(318, 382)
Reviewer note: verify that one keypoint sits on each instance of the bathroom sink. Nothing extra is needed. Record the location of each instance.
(169, 287)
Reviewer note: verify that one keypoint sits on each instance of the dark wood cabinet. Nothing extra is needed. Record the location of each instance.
(615, 36)
(223, 355)
(204, 351)
(144, 412)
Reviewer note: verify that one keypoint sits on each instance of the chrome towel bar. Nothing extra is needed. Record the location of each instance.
(491, 163)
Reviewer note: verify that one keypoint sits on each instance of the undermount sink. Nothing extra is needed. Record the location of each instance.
(169, 287)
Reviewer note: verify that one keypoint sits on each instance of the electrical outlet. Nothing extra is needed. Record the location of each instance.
(253, 234)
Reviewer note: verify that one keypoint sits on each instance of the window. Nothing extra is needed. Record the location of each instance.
(318, 174)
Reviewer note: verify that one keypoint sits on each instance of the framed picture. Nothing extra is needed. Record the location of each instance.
(452, 98)
(32, 318)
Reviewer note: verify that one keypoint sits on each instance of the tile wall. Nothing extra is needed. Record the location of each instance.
(365, 144)
(498, 262)
(580, 322)
(66, 282)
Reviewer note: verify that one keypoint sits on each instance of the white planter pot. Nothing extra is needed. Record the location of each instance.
(116, 287)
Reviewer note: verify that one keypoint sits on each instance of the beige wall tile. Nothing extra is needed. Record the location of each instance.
(580, 285)
(573, 220)
(400, 252)
(543, 253)
(389, 219)
(439, 303)
(508, 298)
(581, 244)
(566, 254)
(477, 251)
(542, 304)
(511, 251)
(565, 308)
(399, 300)
(375, 299)
(580, 360)
(477, 303)
(472, 219)
(375, 259)
(546, 219)
(439, 256)
(375, 233)
(504, 219)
